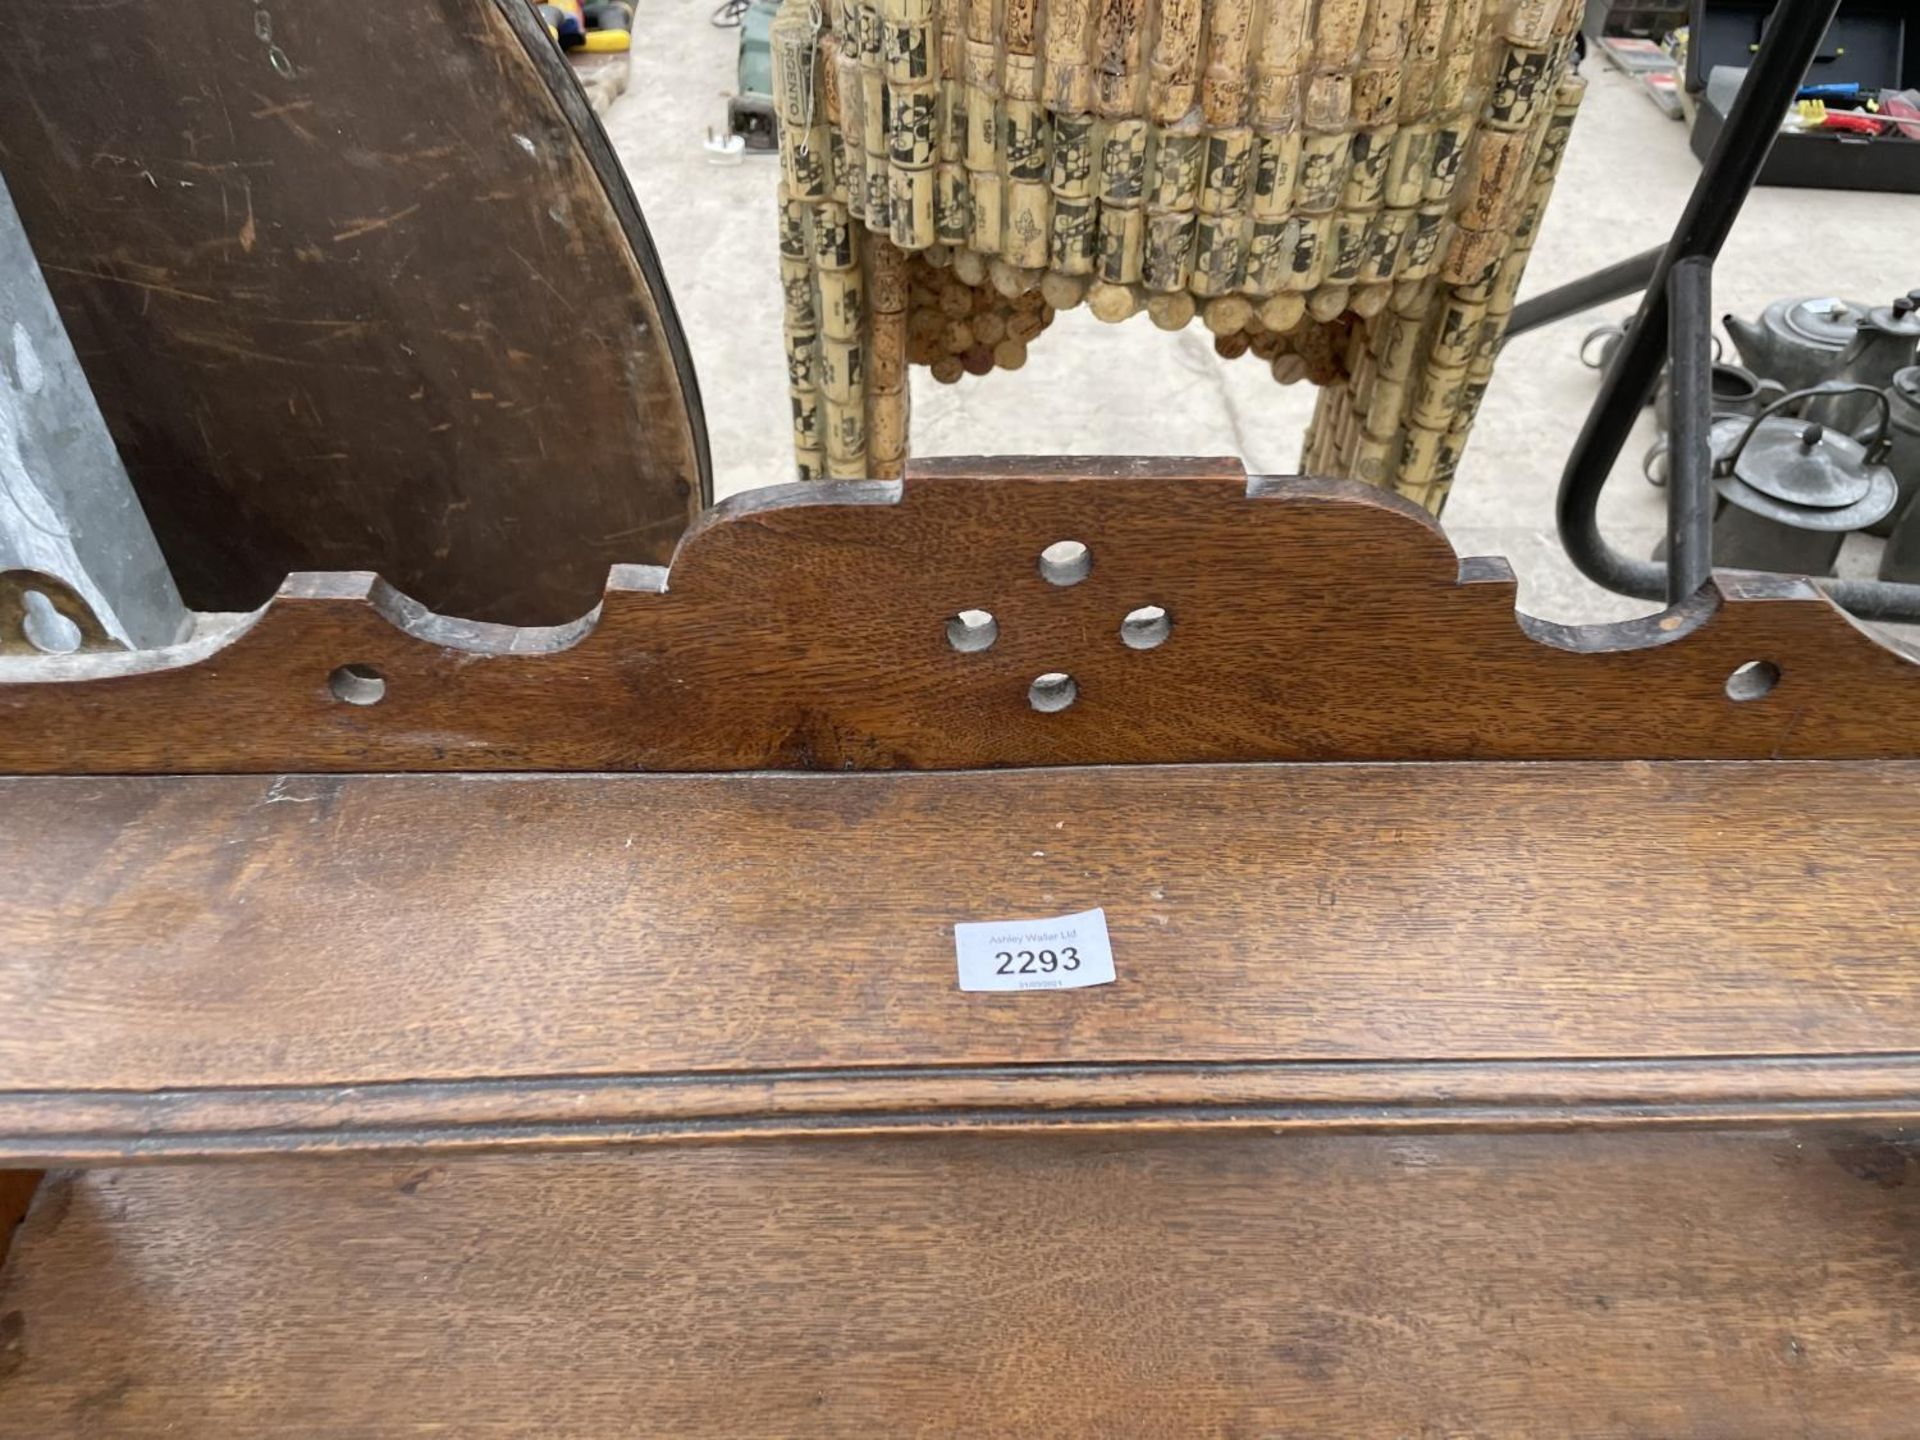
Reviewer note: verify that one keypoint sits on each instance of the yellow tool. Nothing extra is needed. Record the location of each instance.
(609, 28)
(601, 29)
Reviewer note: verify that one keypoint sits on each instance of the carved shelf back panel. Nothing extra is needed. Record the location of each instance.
(920, 625)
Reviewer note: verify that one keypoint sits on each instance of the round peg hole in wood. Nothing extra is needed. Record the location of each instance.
(1753, 680)
(358, 685)
(972, 630)
(1052, 691)
(1146, 627)
(1066, 562)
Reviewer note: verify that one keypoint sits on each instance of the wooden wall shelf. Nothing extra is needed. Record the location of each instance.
(1512, 1033)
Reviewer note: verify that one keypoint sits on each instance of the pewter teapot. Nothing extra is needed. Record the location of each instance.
(1790, 489)
(1797, 342)
(1881, 347)
(1901, 559)
(1903, 457)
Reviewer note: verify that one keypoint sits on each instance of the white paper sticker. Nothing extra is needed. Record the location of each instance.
(1064, 953)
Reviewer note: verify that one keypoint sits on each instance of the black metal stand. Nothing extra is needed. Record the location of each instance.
(1675, 321)
(1622, 278)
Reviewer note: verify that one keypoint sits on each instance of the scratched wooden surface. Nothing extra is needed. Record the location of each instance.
(806, 628)
(356, 289)
(223, 939)
(1614, 1287)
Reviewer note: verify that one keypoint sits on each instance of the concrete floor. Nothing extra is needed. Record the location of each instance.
(1090, 388)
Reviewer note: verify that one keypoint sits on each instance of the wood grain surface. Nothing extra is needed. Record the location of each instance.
(806, 628)
(355, 293)
(1602, 1286)
(236, 960)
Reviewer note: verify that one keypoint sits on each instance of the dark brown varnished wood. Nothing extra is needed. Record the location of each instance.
(565, 1113)
(355, 295)
(805, 628)
(16, 1193)
(219, 965)
(1158, 1288)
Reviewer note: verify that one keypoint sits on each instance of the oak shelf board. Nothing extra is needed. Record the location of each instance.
(1693, 1287)
(222, 964)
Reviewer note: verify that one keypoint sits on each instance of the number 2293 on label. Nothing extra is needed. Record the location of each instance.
(1064, 953)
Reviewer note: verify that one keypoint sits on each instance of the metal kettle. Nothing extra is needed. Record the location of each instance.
(1792, 488)
(1901, 559)
(1883, 346)
(1797, 342)
(1903, 458)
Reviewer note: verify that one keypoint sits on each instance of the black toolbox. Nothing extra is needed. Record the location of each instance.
(1874, 42)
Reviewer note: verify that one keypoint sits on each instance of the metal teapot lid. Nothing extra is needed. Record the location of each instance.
(1804, 464)
(1822, 320)
(1901, 318)
(1803, 474)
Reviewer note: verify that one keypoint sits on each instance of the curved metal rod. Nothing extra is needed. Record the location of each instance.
(1788, 47)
